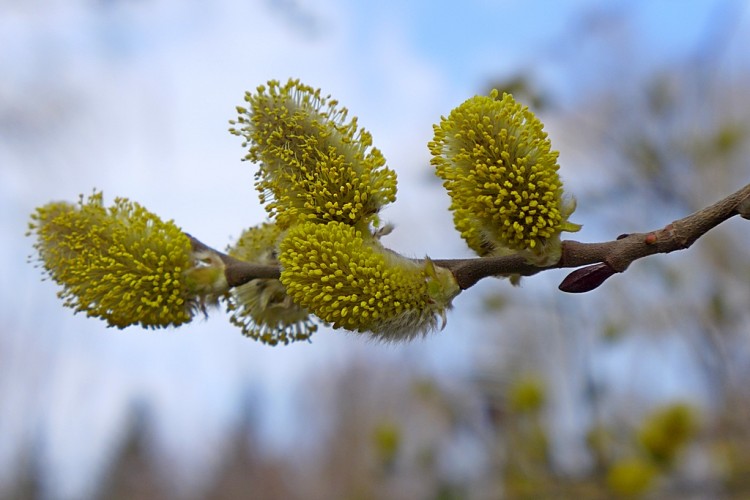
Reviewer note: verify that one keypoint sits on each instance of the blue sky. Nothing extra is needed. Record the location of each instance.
(133, 98)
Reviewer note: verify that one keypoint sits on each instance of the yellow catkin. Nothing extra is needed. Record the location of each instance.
(261, 307)
(315, 164)
(121, 264)
(348, 279)
(501, 174)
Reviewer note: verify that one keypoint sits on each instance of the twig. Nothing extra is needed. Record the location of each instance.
(602, 260)
(237, 272)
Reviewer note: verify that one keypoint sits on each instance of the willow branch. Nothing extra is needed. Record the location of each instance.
(602, 259)
(237, 272)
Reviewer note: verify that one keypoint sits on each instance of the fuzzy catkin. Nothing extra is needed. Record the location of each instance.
(315, 164)
(348, 279)
(499, 169)
(261, 307)
(121, 264)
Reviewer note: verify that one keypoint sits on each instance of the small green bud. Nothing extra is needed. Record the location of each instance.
(315, 165)
(121, 264)
(527, 395)
(387, 440)
(667, 431)
(501, 174)
(206, 276)
(631, 477)
(261, 307)
(350, 280)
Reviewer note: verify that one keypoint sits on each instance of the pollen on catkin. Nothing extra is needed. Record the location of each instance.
(121, 264)
(498, 168)
(314, 163)
(261, 307)
(348, 279)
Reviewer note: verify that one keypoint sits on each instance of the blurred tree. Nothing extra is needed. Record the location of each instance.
(133, 473)
(670, 138)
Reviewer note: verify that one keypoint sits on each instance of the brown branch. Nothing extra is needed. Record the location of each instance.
(237, 272)
(603, 259)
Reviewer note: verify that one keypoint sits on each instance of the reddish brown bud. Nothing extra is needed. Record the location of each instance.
(586, 278)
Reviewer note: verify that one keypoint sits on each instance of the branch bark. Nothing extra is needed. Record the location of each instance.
(602, 259)
(237, 272)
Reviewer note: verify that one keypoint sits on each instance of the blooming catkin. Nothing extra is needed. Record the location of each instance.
(497, 165)
(315, 165)
(349, 280)
(261, 307)
(121, 264)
